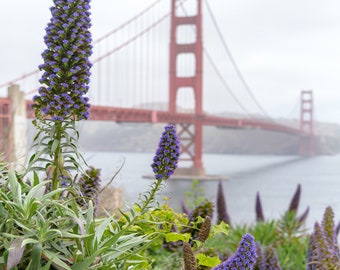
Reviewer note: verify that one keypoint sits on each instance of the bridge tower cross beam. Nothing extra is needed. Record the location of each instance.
(194, 152)
(307, 138)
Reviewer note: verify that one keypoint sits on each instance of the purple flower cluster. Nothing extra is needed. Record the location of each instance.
(244, 257)
(167, 154)
(323, 248)
(267, 258)
(270, 259)
(89, 183)
(89, 186)
(66, 66)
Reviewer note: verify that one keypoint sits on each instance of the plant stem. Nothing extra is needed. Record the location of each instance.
(152, 195)
(144, 207)
(56, 154)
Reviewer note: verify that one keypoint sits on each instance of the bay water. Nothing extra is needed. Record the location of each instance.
(274, 177)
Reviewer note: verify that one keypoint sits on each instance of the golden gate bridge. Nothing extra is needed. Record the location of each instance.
(150, 69)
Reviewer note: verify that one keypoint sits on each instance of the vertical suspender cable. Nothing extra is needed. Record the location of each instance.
(233, 60)
(140, 71)
(135, 68)
(147, 63)
(108, 76)
(98, 78)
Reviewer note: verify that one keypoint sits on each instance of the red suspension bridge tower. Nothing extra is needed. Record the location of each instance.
(190, 135)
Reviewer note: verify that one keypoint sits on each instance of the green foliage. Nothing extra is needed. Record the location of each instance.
(56, 151)
(195, 196)
(205, 260)
(40, 230)
(282, 235)
(292, 245)
(34, 225)
(196, 218)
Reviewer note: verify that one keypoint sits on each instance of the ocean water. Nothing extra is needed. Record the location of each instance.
(275, 177)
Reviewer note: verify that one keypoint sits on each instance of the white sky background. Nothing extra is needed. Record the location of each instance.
(281, 47)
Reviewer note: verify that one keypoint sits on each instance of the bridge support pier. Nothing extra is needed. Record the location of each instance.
(17, 127)
(5, 123)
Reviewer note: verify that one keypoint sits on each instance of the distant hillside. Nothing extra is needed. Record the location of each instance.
(110, 136)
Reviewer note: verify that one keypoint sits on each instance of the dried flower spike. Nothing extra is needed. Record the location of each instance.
(205, 230)
(189, 257)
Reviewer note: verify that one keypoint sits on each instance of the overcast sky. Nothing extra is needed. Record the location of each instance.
(281, 47)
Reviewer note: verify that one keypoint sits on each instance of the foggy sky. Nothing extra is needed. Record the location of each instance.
(281, 47)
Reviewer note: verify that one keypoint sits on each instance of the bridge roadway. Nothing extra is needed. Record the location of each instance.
(130, 115)
(152, 116)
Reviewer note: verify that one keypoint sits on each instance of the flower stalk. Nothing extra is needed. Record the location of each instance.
(64, 83)
(57, 157)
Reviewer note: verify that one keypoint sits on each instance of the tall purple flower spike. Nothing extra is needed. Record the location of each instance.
(66, 66)
(222, 212)
(323, 248)
(270, 259)
(294, 203)
(244, 257)
(258, 208)
(167, 154)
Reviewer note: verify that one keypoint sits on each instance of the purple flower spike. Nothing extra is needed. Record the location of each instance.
(270, 259)
(66, 63)
(167, 154)
(244, 257)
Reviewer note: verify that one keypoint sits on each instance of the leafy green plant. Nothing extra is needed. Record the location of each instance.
(45, 231)
(34, 226)
(50, 223)
(195, 195)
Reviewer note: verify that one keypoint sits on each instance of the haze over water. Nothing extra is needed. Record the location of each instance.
(275, 177)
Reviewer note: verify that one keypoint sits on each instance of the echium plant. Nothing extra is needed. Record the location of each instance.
(89, 186)
(66, 62)
(244, 257)
(266, 258)
(323, 251)
(165, 159)
(40, 232)
(64, 82)
(167, 154)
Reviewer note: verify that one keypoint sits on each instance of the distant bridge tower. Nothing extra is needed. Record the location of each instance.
(307, 139)
(190, 135)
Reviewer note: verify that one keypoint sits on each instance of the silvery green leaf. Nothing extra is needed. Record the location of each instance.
(15, 252)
